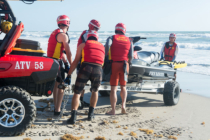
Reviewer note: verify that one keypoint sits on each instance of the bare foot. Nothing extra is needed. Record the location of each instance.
(123, 111)
(110, 113)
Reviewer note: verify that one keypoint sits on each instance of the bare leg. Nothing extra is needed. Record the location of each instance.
(75, 101)
(113, 99)
(123, 94)
(55, 92)
(83, 92)
(59, 100)
(94, 99)
(75, 104)
(84, 104)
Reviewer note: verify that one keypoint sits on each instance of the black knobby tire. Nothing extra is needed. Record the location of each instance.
(171, 93)
(30, 110)
(104, 93)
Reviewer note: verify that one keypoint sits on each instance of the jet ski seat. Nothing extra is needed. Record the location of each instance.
(149, 56)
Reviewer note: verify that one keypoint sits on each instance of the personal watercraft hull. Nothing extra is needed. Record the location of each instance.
(139, 72)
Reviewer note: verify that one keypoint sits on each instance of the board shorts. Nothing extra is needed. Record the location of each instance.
(61, 73)
(88, 72)
(118, 73)
(78, 67)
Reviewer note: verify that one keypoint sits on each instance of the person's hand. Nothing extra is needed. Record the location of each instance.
(68, 80)
(66, 67)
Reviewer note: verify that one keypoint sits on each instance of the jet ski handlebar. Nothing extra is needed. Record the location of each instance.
(136, 39)
(143, 38)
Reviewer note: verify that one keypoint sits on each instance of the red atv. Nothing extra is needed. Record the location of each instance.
(24, 71)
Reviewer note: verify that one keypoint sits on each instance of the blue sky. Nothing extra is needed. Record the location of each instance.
(138, 15)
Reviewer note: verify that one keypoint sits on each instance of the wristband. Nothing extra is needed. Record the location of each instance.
(68, 76)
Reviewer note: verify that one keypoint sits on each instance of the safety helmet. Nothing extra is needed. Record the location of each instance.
(94, 24)
(63, 19)
(120, 27)
(172, 35)
(6, 26)
(93, 34)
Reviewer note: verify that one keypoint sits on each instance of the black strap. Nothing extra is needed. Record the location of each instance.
(168, 56)
(68, 37)
(83, 39)
(167, 45)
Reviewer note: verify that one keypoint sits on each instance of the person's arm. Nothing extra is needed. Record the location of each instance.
(62, 37)
(175, 53)
(77, 58)
(130, 54)
(64, 58)
(108, 45)
(161, 52)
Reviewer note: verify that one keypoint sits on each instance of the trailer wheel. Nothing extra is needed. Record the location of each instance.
(17, 111)
(104, 93)
(171, 93)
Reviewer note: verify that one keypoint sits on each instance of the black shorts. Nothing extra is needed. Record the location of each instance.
(88, 72)
(61, 73)
(78, 67)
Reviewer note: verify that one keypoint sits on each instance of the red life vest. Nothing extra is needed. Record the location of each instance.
(120, 48)
(81, 38)
(93, 52)
(55, 49)
(169, 52)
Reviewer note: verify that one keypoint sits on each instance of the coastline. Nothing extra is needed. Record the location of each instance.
(194, 83)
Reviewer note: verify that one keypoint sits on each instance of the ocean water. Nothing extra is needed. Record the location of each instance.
(194, 47)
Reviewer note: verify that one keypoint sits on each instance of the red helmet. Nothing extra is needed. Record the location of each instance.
(172, 35)
(120, 27)
(92, 33)
(94, 24)
(63, 19)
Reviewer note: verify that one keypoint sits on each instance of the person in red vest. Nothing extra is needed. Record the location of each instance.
(92, 53)
(170, 50)
(95, 26)
(119, 49)
(57, 43)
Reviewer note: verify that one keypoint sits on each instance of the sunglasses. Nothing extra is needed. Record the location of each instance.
(96, 29)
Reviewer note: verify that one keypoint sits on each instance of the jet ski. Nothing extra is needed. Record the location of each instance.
(147, 66)
(147, 74)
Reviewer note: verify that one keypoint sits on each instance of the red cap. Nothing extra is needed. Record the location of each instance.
(63, 19)
(92, 33)
(94, 24)
(172, 35)
(120, 27)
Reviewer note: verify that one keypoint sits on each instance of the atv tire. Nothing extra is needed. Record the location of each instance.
(19, 108)
(104, 93)
(171, 93)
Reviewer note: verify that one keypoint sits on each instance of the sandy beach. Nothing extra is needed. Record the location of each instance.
(189, 120)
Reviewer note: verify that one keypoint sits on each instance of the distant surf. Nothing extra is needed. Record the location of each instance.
(194, 47)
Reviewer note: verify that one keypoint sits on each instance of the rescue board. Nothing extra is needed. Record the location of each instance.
(177, 65)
